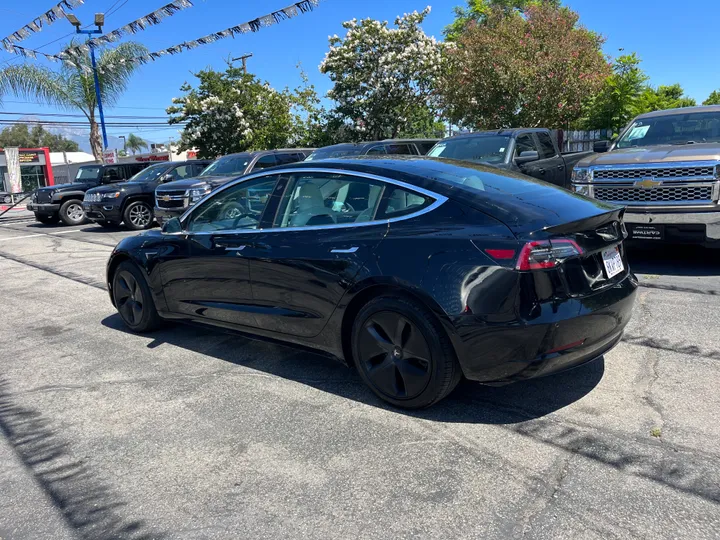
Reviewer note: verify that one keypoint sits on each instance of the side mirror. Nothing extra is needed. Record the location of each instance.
(172, 226)
(601, 146)
(167, 178)
(527, 157)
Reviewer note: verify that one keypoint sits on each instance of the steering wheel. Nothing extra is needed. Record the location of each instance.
(234, 211)
(346, 208)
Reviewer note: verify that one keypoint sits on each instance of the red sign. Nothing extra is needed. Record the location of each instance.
(192, 154)
(153, 158)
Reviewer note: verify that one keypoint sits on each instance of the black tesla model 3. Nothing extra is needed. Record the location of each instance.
(417, 271)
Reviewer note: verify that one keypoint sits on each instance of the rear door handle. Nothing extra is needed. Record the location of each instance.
(341, 250)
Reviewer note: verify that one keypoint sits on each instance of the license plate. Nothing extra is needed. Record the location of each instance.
(612, 261)
(647, 232)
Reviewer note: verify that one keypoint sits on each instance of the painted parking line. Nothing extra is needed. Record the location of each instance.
(37, 235)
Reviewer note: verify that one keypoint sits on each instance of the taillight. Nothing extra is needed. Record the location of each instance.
(543, 254)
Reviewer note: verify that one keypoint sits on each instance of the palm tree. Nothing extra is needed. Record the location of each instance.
(73, 87)
(135, 143)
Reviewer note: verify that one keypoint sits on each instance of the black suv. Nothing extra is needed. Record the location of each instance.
(64, 201)
(388, 147)
(133, 202)
(173, 198)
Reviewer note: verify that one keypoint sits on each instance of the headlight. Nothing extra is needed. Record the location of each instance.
(197, 193)
(113, 195)
(582, 190)
(581, 174)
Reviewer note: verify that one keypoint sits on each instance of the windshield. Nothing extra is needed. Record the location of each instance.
(227, 166)
(687, 128)
(334, 152)
(150, 174)
(87, 173)
(485, 149)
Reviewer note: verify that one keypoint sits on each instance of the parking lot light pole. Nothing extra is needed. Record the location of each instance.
(99, 22)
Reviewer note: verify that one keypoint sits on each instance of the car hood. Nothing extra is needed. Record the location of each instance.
(188, 183)
(655, 154)
(64, 187)
(120, 186)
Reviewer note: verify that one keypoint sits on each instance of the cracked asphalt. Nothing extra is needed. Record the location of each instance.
(194, 434)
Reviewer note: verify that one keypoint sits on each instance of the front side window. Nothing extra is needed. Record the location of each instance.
(233, 165)
(482, 149)
(264, 162)
(284, 159)
(399, 149)
(525, 143)
(238, 207)
(87, 173)
(315, 199)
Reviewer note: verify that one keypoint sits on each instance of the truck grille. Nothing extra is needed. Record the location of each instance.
(43, 196)
(661, 172)
(176, 199)
(661, 194)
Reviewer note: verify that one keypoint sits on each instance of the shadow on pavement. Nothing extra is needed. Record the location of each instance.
(674, 260)
(88, 506)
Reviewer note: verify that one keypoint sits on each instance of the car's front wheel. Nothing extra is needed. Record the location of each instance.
(72, 213)
(403, 353)
(133, 298)
(138, 216)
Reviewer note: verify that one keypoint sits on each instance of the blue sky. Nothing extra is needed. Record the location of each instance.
(677, 43)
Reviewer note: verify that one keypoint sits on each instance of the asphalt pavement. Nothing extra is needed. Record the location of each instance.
(194, 434)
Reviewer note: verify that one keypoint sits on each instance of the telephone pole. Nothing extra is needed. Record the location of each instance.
(244, 58)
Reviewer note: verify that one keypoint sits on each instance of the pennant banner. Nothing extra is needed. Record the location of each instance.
(36, 25)
(151, 19)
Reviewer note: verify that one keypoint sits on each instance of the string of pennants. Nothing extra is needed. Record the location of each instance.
(69, 56)
(36, 25)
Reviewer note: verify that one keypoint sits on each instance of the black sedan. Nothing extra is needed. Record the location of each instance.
(417, 271)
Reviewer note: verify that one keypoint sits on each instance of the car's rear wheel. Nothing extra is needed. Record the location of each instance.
(138, 216)
(47, 219)
(133, 299)
(403, 353)
(72, 213)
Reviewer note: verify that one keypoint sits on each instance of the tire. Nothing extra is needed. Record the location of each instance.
(133, 299)
(47, 219)
(412, 364)
(138, 216)
(72, 213)
(7, 199)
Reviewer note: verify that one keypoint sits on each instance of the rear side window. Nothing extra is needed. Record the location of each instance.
(132, 170)
(113, 174)
(264, 162)
(378, 150)
(399, 149)
(401, 202)
(547, 149)
(284, 159)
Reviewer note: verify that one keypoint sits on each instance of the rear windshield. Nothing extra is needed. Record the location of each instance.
(334, 152)
(484, 149)
(687, 128)
(87, 173)
(228, 166)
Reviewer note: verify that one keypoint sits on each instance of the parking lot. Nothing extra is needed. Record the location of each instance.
(192, 433)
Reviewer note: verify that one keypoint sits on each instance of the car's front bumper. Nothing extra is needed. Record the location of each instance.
(704, 226)
(45, 208)
(165, 214)
(102, 212)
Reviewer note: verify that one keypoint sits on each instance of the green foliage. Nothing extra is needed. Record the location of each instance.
(73, 87)
(20, 135)
(618, 100)
(663, 97)
(231, 112)
(713, 98)
(531, 70)
(135, 143)
(310, 119)
(477, 12)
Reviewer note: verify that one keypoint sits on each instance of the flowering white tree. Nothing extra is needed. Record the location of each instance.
(384, 77)
(231, 112)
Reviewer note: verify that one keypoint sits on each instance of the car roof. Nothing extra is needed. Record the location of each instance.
(266, 152)
(681, 110)
(502, 132)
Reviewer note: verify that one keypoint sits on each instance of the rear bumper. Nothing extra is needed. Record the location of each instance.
(687, 227)
(47, 208)
(518, 351)
(102, 212)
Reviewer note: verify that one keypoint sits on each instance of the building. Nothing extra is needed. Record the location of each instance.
(35, 170)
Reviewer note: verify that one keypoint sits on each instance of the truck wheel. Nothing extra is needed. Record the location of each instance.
(72, 213)
(138, 216)
(47, 219)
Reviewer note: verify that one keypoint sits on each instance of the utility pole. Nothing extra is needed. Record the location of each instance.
(244, 58)
(99, 22)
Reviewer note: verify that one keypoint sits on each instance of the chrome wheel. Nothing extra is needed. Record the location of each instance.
(140, 216)
(75, 212)
(128, 298)
(395, 355)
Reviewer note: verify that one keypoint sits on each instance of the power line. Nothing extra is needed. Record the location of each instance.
(83, 124)
(83, 116)
(116, 107)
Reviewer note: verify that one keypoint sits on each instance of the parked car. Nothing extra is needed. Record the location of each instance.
(416, 271)
(64, 201)
(392, 147)
(133, 202)
(664, 168)
(533, 152)
(173, 198)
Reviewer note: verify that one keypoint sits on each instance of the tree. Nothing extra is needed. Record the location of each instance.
(135, 143)
(230, 112)
(534, 69)
(663, 97)
(383, 78)
(73, 87)
(20, 135)
(311, 125)
(713, 98)
(477, 11)
(618, 100)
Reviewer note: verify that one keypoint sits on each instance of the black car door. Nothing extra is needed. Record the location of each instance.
(553, 162)
(210, 281)
(324, 230)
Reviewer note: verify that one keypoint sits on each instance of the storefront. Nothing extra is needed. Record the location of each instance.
(35, 170)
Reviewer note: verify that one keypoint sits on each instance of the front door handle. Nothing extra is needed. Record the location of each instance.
(229, 245)
(541, 171)
(561, 167)
(341, 250)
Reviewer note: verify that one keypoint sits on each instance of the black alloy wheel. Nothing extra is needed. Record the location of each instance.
(403, 353)
(133, 299)
(138, 216)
